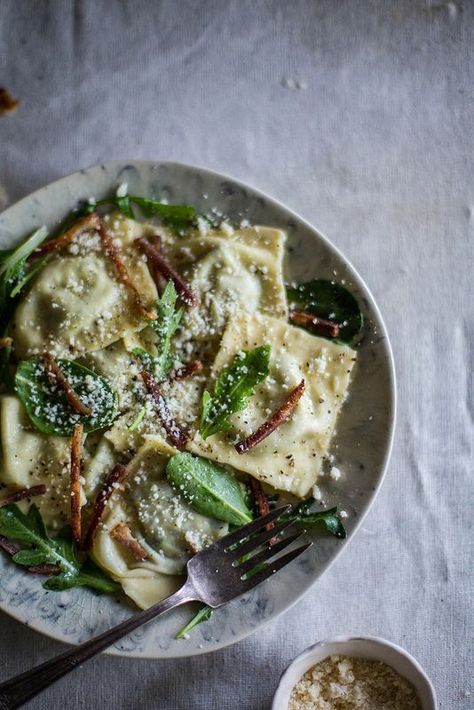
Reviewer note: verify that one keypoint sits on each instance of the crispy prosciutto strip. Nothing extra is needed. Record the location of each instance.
(191, 368)
(112, 482)
(319, 326)
(85, 224)
(123, 535)
(75, 474)
(11, 548)
(6, 342)
(261, 503)
(114, 255)
(56, 376)
(273, 422)
(176, 434)
(24, 494)
(157, 276)
(165, 269)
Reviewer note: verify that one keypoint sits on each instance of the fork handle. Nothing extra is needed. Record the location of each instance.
(18, 690)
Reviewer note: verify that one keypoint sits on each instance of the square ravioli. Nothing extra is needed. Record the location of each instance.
(78, 304)
(291, 458)
(242, 270)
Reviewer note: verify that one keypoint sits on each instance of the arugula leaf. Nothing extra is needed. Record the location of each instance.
(47, 406)
(164, 325)
(233, 386)
(13, 271)
(88, 575)
(176, 217)
(329, 300)
(208, 488)
(329, 518)
(203, 614)
(138, 420)
(29, 528)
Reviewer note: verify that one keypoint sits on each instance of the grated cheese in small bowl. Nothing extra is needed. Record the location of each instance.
(345, 683)
(363, 673)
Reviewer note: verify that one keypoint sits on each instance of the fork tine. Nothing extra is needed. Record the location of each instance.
(267, 554)
(252, 527)
(254, 543)
(272, 567)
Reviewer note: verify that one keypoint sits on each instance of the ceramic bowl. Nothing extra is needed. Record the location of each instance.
(361, 647)
(365, 429)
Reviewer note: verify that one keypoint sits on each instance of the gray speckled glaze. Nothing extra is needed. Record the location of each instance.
(363, 441)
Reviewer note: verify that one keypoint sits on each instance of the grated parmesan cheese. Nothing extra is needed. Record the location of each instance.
(343, 683)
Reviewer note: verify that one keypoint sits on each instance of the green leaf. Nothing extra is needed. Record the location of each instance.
(329, 300)
(164, 325)
(233, 386)
(46, 403)
(204, 614)
(138, 420)
(29, 528)
(89, 575)
(14, 273)
(124, 205)
(29, 557)
(329, 518)
(34, 269)
(176, 217)
(208, 488)
(145, 357)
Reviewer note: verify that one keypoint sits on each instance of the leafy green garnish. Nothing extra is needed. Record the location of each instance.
(165, 325)
(233, 386)
(329, 518)
(176, 217)
(47, 406)
(138, 420)
(29, 528)
(204, 614)
(14, 273)
(329, 300)
(208, 488)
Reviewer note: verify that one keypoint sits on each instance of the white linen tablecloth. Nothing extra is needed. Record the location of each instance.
(359, 115)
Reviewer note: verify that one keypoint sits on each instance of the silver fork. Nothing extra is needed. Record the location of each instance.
(216, 575)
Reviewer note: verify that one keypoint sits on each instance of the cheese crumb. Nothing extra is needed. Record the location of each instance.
(353, 684)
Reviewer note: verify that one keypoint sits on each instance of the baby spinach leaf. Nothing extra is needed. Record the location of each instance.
(233, 386)
(329, 518)
(165, 325)
(47, 406)
(204, 614)
(29, 528)
(329, 300)
(208, 488)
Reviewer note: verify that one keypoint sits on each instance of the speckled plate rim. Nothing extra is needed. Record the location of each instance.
(55, 634)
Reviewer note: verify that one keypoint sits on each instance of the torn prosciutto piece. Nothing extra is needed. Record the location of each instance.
(123, 535)
(57, 377)
(160, 264)
(318, 326)
(112, 482)
(273, 422)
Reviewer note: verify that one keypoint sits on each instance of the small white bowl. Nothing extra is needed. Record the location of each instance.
(372, 648)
